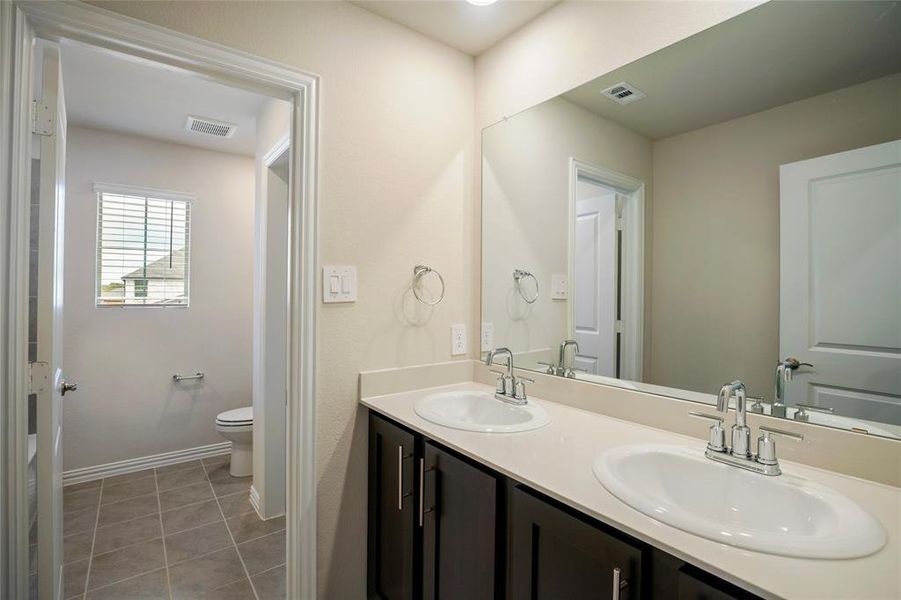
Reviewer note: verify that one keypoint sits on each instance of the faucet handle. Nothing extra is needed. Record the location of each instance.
(519, 387)
(791, 434)
(500, 386)
(766, 446)
(716, 439)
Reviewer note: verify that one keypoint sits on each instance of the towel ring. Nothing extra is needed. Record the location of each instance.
(420, 271)
(518, 276)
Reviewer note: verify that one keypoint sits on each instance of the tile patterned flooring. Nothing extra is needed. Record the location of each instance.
(180, 532)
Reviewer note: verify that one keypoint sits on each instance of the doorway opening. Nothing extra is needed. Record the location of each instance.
(606, 271)
(136, 253)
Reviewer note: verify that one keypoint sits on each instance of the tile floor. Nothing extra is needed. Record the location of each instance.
(180, 532)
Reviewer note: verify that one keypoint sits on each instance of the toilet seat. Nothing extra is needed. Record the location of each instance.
(238, 417)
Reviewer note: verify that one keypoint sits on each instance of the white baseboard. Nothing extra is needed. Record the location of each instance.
(255, 501)
(144, 462)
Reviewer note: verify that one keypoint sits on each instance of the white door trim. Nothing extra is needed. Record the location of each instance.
(632, 260)
(19, 23)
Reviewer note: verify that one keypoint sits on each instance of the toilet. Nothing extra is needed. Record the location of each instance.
(237, 426)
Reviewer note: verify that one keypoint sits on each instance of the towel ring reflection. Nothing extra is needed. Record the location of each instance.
(518, 276)
(420, 271)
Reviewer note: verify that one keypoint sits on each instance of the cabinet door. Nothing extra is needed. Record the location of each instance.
(696, 585)
(555, 555)
(392, 515)
(460, 528)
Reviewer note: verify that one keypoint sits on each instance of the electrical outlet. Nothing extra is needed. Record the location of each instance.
(487, 337)
(458, 340)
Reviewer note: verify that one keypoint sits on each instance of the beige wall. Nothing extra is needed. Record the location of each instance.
(124, 358)
(395, 190)
(716, 231)
(398, 183)
(526, 212)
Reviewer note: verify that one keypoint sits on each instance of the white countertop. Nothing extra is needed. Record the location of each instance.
(557, 461)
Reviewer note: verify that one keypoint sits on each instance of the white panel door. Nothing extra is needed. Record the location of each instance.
(840, 280)
(51, 124)
(595, 281)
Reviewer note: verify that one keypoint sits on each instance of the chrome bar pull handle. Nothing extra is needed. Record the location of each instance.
(422, 509)
(619, 583)
(400, 477)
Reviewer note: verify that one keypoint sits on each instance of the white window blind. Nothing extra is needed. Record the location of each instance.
(143, 245)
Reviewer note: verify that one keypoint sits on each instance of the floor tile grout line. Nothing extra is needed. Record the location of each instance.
(162, 533)
(192, 527)
(131, 545)
(164, 511)
(87, 577)
(235, 544)
(117, 582)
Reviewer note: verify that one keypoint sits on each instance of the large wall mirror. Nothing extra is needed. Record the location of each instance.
(726, 208)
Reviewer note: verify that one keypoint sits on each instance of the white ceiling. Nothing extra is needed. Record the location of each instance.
(106, 91)
(777, 53)
(470, 29)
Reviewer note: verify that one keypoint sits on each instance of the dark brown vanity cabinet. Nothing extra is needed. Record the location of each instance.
(434, 528)
(444, 527)
(555, 554)
(460, 528)
(392, 547)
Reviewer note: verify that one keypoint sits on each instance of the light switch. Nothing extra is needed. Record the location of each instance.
(559, 289)
(339, 284)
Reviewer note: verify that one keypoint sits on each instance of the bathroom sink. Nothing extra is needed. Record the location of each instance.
(783, 515)
(480, 411)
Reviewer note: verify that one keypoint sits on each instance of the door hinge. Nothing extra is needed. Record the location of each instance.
(618, 326)
(38, 377)
(620, 224)
(41, 119)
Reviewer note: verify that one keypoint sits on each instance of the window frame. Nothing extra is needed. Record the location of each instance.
(101, 188)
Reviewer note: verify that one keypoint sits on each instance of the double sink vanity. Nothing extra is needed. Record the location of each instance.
(475, 495)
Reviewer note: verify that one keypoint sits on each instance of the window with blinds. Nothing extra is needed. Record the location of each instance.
(143, 246)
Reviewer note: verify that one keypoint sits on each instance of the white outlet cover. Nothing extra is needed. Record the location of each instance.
(559, 289)
(487, 336)
(339, 284)
(458, 339)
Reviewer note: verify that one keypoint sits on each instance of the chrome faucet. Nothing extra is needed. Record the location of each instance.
(561, 368)
(739, 455)
(741, 433)
(567, 370)
(784, 372)
(509, 387)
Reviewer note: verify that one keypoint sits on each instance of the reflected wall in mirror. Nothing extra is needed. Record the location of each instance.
(726, 208)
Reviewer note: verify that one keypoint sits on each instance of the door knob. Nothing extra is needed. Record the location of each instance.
(67, 387)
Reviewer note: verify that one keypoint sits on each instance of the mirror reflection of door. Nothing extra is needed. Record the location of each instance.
(596, 277)
(840, 289)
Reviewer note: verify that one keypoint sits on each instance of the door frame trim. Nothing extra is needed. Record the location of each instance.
(632, 259)
(20, 23)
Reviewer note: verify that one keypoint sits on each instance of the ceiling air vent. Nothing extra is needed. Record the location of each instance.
(210, 127)
(623, 93)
